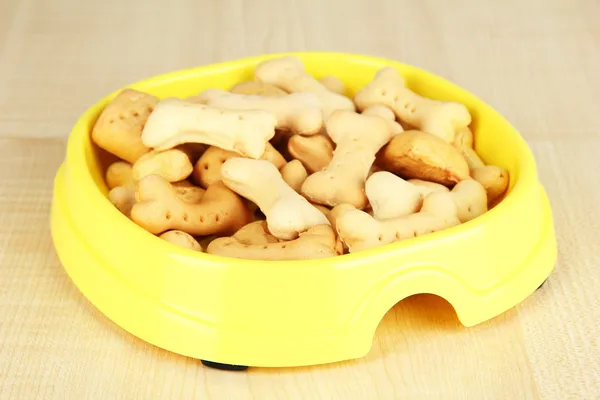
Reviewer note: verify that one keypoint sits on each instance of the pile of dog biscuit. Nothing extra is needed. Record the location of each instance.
(287, 167)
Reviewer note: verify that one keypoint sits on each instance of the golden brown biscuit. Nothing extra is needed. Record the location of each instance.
(118, 129)
(421, 155)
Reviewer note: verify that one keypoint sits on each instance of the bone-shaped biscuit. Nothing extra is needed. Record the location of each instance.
(333, 84)
(287, 212)
(159, 208)
(258, 89)
(256, 232)
(208, 168)
(188, 192)
(358, 138)
(119, 127)
(317, 242)
(119, 173)
(387, 114)
(426, 187)
(360, 231)
(294, 174)
(174, 165)
(470, 198)
(494, 179)
(440, 118)
(298, 113)
(421, 155)
(176, 121)
(123, 198)
(180, 238)
(391, 196)
(289, 74)
(314, 152)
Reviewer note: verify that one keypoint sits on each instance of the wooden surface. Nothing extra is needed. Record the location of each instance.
(536, 61)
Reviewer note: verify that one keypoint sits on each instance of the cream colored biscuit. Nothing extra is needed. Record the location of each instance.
(294, 174)
(391, 196)
(287, 212)
(426, 187)
(182, 239)
(493, 178)
(360, 231)
(122, 197)
(119, 173)
(299, 113)
(289, 74)
(333, 84)
(174, 165)
(358, 138)
(258, 89)
(470, 199)
(439, 118)
(176, 122)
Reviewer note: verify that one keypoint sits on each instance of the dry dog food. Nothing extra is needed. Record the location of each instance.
(287, 167)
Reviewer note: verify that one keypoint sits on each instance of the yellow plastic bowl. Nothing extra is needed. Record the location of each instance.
(296, 313)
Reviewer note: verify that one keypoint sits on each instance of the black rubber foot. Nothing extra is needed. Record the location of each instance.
(224, 367)
(539, 287)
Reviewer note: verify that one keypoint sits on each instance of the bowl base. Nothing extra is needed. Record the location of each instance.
(224, 367)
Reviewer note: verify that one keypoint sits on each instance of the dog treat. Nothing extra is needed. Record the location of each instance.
(317, 242)
(289, 74)
(119, 127)
(298, 113)
(204, 241)
(464, 143)
(176, 121)
(391, 196)
(464, 138)
(158, 209)
(358, 138)
(360, 231)
(471, 157)
(332, 216)
(294, 174)
(182, 239)
(439, 118)
(426, 187)
(421, 155)
(119, 173)
(326, 212)
(188, 192)
(255, 232)
(314, 152)
(208, 168)
(494, 179)
(470, 199)
(333, 84)
(287, 212)
(122, 197)
(174, 165)
(256, 88)
(387, 114)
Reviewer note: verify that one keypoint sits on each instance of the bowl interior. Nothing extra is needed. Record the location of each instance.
(496, 141)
